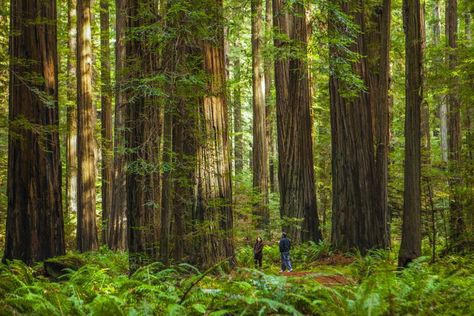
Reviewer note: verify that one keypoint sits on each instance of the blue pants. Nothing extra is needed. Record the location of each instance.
(285, 261)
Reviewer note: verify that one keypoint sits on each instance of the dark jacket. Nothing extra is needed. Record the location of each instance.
(258, 249)
(285, 245)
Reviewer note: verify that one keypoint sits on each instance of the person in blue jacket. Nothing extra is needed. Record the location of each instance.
(285, 247)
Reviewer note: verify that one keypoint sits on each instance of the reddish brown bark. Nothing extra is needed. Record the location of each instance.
(71, 142)
(117, 236)
(143, 137)
(34, 219)
(117, 220)
(87, 238)
(237, 111)
(214, 212)
(295, 148)
(359, 124)
(413, 18)
(106, 119)
(260, 143)
(454, 130)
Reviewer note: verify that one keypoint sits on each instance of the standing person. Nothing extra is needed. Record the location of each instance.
(258, 252)
(285, 247)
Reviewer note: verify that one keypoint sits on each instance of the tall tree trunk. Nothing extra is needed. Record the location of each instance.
(378, 61)
(296, 168)
(71, 142)
(117, 221)
(34, 218)
(470, 141)
(107, 129)
(270, 107)
(260, 144)
(237, 109)
(167, 184)
(180, 135)
(87, 239)
(184, 147)
(214, 187)
(411, 228)
(454, 129)
(442, 106)
(143, 134)
(359, 126)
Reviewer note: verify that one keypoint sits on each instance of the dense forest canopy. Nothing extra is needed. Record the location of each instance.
(166, 135)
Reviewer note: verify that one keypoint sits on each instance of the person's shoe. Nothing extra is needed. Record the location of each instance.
(291, 270)
(281, 271)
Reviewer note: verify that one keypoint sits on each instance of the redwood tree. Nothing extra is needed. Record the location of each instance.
(454, 129)
(143, 134)
(413, 21)
(260, 143)
(214, 213)
(87, 238)
(237, 113)
(269, 102)
(295, 149)
(359, 126)
(106, 118)
(34, 218)
(117, 235)
(71, 141)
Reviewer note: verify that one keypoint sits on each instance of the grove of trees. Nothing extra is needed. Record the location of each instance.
(180, 130)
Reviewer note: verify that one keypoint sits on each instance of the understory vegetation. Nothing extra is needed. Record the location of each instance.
(99, 284)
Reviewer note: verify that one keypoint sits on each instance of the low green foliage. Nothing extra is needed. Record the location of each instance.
(372, 286)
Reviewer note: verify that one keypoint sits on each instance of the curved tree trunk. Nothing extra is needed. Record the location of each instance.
(34, 219)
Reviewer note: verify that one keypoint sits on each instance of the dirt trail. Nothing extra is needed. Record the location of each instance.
(329, 280)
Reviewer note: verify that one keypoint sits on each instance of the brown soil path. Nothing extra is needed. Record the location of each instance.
(328, 280)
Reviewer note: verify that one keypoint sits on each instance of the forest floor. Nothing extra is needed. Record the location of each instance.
(323, 283)
(334, 260)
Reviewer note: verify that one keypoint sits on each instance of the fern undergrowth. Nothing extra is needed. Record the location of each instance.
(372, 286)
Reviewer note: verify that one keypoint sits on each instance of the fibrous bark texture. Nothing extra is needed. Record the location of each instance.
(237, 111)
(34, 219)
(411, 228)
(214, 212)
(106, 118)
(454, 130)
(295, 149)
(117, 224)
(87, 238)
(143, 134)
(260, 144)
(71, 143)
(359, 124)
